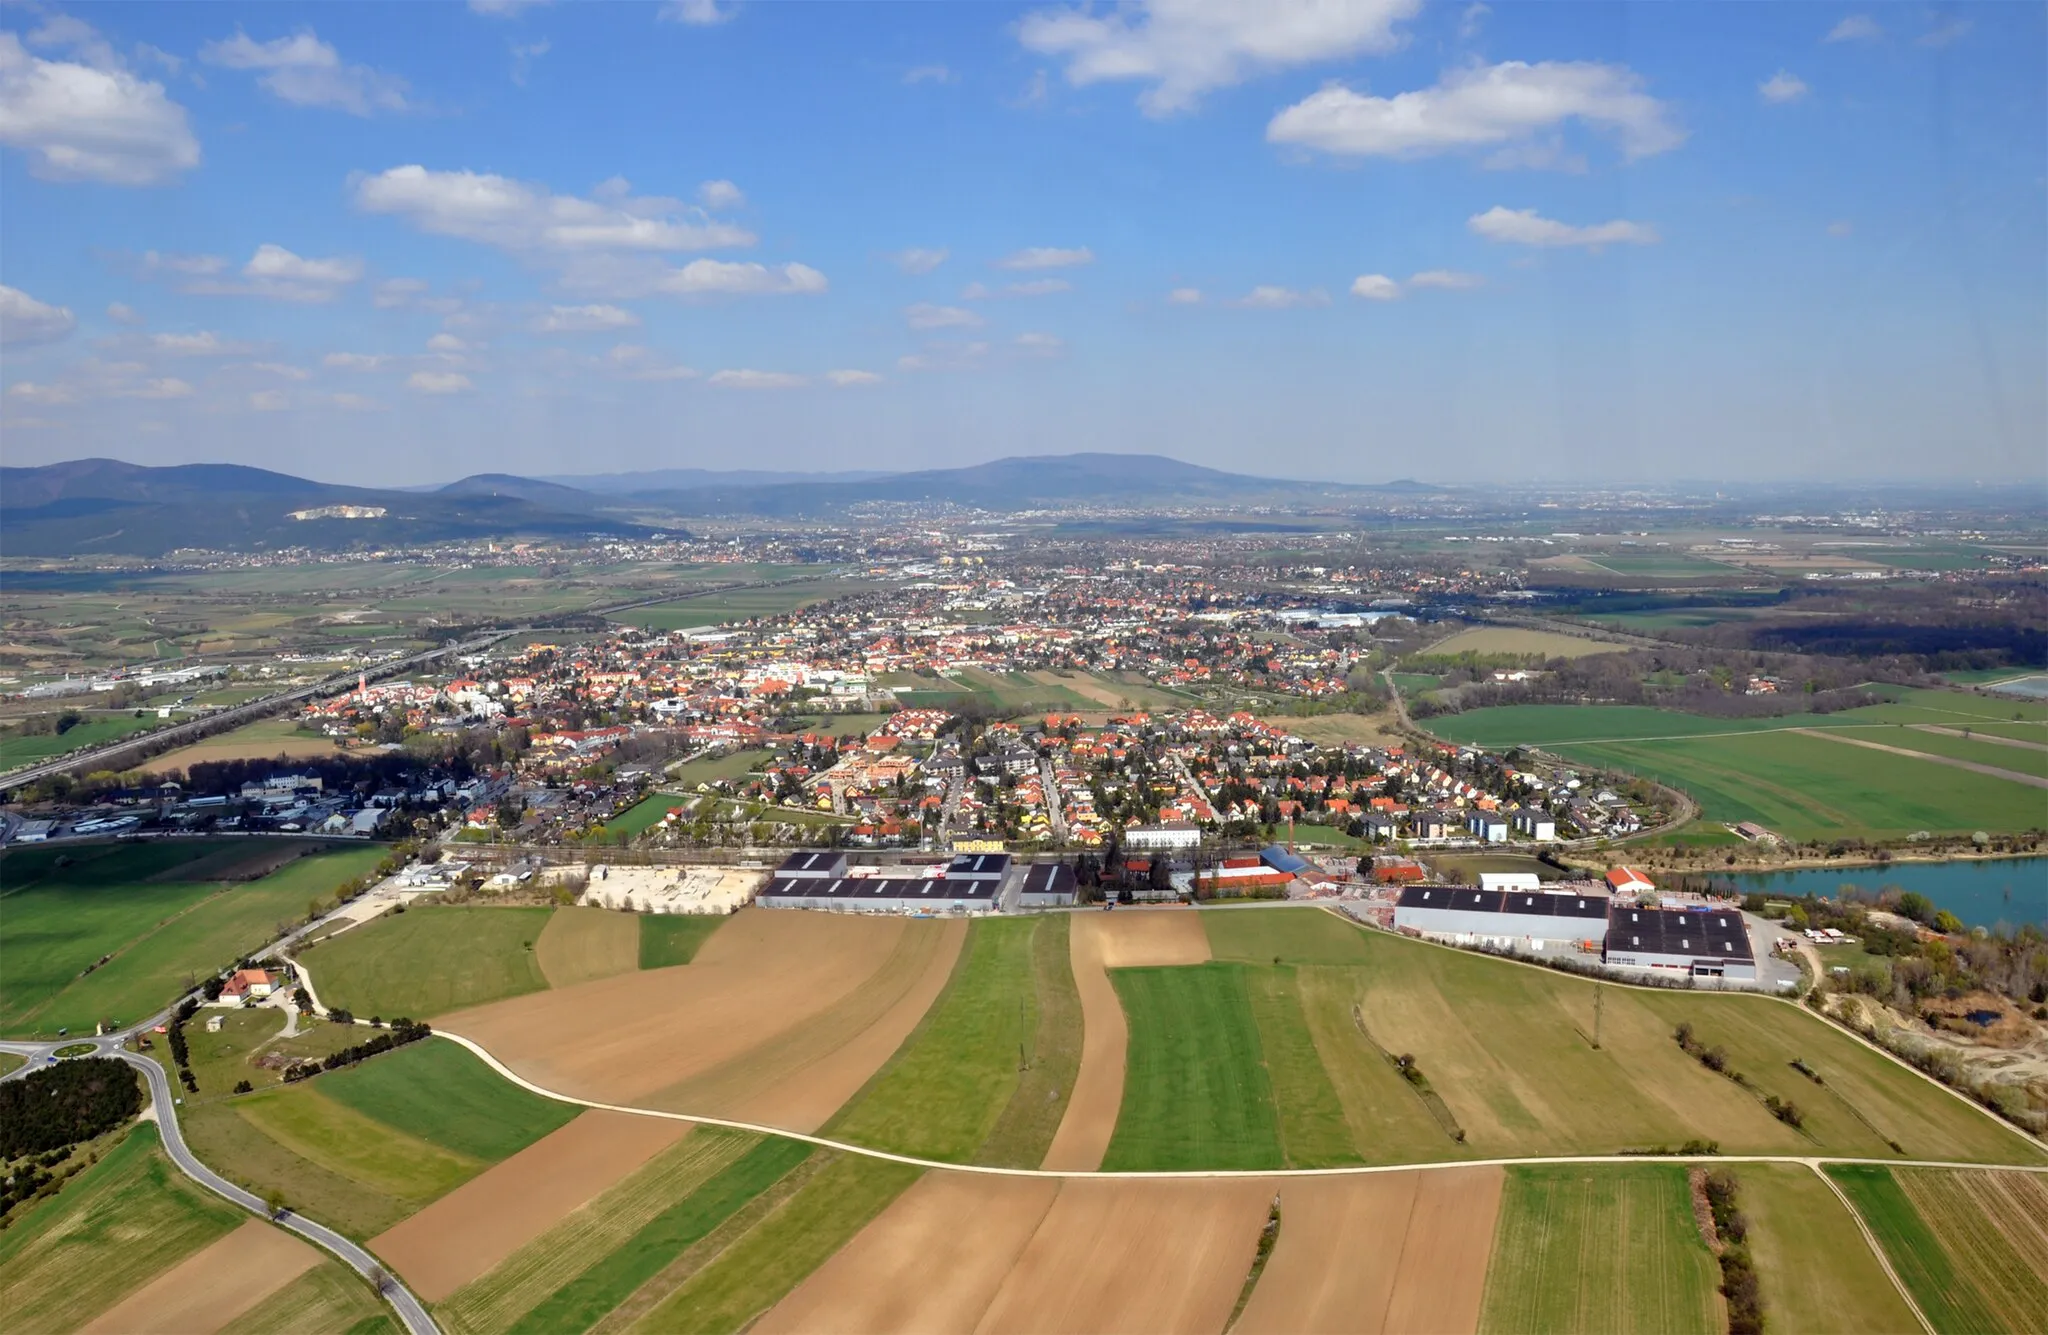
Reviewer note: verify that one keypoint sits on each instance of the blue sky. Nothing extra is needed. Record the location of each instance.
(400, 244)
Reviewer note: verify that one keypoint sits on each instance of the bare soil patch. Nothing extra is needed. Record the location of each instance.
(618, 1040)
(291, 748)
(1137, 938)
(1090, 1118)
(485, 1220)
(581, 945)
(1166, 1255)
(886, 1279)
(1442, 1278)
(208, 1290)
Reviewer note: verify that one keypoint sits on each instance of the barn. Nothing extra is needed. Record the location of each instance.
(1710, 944)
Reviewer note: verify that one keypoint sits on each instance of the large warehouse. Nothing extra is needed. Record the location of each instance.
(1503, 919)
(1711, 944)
(970, 883)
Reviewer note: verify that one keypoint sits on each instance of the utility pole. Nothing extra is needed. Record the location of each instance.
(1599, 994)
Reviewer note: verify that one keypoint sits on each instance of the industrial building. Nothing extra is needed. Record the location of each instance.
(1710, 944)
(1047, 885)
(1503, 919)
(970, 883)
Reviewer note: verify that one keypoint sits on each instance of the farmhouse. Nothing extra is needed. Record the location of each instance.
(1713, 944)
(248, 983)
(1504, 919)
(1630, 881)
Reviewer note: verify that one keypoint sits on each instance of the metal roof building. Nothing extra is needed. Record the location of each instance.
(1047, 885)
(1712, 944)
(1506, 918)
(970, 883)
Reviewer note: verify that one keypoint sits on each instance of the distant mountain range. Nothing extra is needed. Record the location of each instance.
(103, 506)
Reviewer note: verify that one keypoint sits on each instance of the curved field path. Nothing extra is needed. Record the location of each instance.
(2031, 780)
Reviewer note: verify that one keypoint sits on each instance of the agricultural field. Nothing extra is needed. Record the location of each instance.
(840, 725)
(1600, 1248)
(714, 609)
(18, 749)
(1970, 1246)
(1490, 640)
(668, 939)
(118, 1225)
(582, 944)
(165, 911)
(1658, 565)
(1343, 729)
(261, 740)
(249, 1046)
(1006, 694)
(1118, 691)
(429, 960)
(1196, 1087)
(732, 765)
(1816, 1271)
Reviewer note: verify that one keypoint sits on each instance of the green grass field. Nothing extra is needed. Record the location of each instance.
(1196, 1089)
(1313, 1129)
(1025, 1129)
(379, 1157)
(939, 1096)
(773, 1256)
(668, 939)
(1817, 1272)
(593, 1294)
(112, 1229)
(219, 1061)
(732, 765)
(444, 1094)
(641, 817)
(329, 1299)
(1597, 1248)
(429, 961)
(163, 933)
(17, 749)
(1991, 1225)
(713, 609)
(1948, 1298)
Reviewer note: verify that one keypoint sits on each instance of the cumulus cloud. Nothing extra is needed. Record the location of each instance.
(745, 379)
(945, 357)
(583, 319)
(724, 278)
(929, 74)
(1782, 87)
(86, 122)
(1270, 297)
(925, 315)
(163, 387)
(1047, 257)
(1450, 280)
(1035, 287)
(204, 343)
(1375, 287)
(41, 395)
(1523, 227)
(447, 345)
(1183, 49)
(849, 379)
(307, 72)
(355, 402)
(269, 401)
(1948, 30)
(356, 361)
(120, 312)
(1855, 28)
(1041, 345)
(1505, 106)
(695, 13)
(525, 218)
(272, 272)
(503, 9)
(1185, 296)
(438, 382)
(919, 259)
(281, 370)
(26, 322)
(720, 195)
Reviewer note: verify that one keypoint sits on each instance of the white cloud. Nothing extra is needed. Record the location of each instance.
(281, 370)
(696, 13)
(307, 72)
(744, 379)
(1047, 257)
(1270, 297)
(1855, 28)
(356, 361)
(156, 261)
(1450, 280)
(526, 218)
(849, 379)
(925, 315)
(1185, 48)
(919, 259)
(204, 343)
(25, 322)
(1472, 20)
(583, 319)
(272, 272)
(1482, 106)
(394, 293)
(269, 401)
(720, 195)
(640, 363)
(120, 312)
(1946, 31)
(1036, 287)
(929, 74)
(1375, 287)
(523, 56)
(503, 9)
(1841, 227)
(165, 387)
(43, 396)
(355, 402)
(90, 123)
(945, 357)
(1781, 87)
(723, 278)
(1523, 227)
(438, 382)
(446, 344)
(1185, 296)
(1041, 345)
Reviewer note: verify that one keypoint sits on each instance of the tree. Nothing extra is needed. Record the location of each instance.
(273, 1199)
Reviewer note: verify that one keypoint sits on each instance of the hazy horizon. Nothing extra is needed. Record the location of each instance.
(1562, 244)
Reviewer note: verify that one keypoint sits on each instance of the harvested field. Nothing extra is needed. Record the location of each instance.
(584, 944)
(1392, 1252)
(884, 1280)
(1995, 1229)
(622, 1039)
(230, 747)
(1140, 938)
(1513, 640)
(473, 1228)
(1090, 1118)
(803, 1076)
(209, 1289)
(1134, 1256)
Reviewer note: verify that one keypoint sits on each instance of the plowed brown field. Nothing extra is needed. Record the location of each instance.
(1098, 942)
(582, 944)
(206, 1291)
(931, 1263)
(1379, 1254)
(480, 1223)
